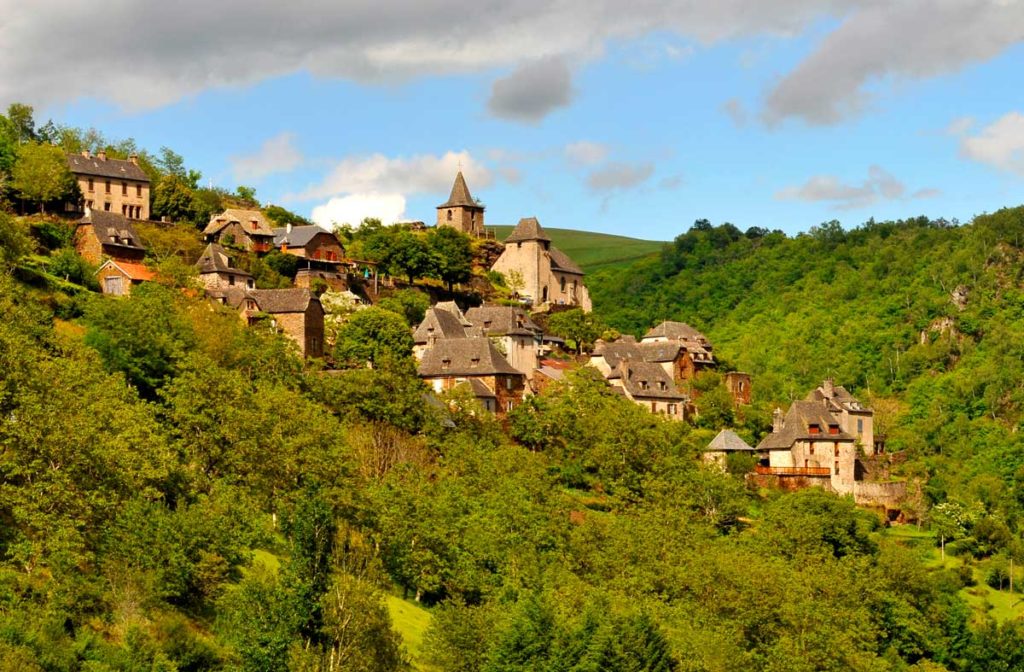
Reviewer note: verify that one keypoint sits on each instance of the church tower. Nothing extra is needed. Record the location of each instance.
(461, 211)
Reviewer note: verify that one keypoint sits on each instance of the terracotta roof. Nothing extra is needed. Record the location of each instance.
(132, 270)
(728, 441)
(646, 380)
(439, 324)
(215, 259)
(460, 196)
(502, 321)
(299, 235)
(560, 261)
(112, 228)
(464, 357)
(253, 222)
(272, 301)
(113, 168)
(528, 228)
(796, 425)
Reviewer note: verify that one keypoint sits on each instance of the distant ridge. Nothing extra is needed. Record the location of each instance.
(594, 251)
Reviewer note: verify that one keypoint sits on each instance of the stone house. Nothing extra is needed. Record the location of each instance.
(824, 441)
(696, 354)
(461, 211)
(510, 328)
(726, 443)
(246, 229)
(101, 235)
(216, 270)
(738, 384)
(473, 361)
(296, 313)
(117, 277)
(111, 185)
(647, 384)
(442, 321)
(549, 276)
(311, 243)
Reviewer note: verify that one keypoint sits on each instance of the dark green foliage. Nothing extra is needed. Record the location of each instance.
(373, 336)
(409, 303)
(280, 216)
(577, 326)
(15, 241)
(453, 254)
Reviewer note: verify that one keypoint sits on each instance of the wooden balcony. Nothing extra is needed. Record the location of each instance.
(792, 471)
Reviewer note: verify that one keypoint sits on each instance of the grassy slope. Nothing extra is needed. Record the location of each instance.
(593, 251)
(410, 621)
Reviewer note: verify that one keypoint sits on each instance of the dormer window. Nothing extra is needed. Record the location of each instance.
(446, 363)
(662, 385)
(813, 429)
(487, 324)
(833, 429)
(475, 362)
(643, 385)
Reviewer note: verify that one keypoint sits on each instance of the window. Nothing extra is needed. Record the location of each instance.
(108, 186)
(138, 190)
(654, 407)
(813, 429)
(91, 186)
(837, 450)
(449, 215)
(508, 383)
(833, 429)
(561, 282)
(860, 426)
(106, 207)
(671, 409)
(124, 188)
(446, 363)
(474, 362)
(810, 450)
(837, 468)
(231, 280)
(509, 405)
(124, 210)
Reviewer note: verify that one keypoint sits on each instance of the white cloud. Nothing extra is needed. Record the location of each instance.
(911, 39)
(619, 175)
(380, 174)
(352, 209)
(1000, 144)
(277, 155)
(878, 186)
(585, 153)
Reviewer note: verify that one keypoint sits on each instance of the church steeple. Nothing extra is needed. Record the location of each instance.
(461, 210)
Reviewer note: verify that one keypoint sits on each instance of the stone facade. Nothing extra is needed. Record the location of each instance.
(111, 185)
(738, 385)
(548, 276)
(247, 229)
(117, 278)
(461, 211)
(104, 235)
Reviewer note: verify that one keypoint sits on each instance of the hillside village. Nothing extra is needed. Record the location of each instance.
(492, 346)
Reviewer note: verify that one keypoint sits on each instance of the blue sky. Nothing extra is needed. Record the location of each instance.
(634, 123)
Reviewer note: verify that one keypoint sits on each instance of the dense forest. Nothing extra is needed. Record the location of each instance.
(179, 492)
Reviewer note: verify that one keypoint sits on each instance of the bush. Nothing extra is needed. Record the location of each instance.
(68, 265)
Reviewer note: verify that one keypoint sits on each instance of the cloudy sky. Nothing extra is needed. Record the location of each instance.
(626, 117)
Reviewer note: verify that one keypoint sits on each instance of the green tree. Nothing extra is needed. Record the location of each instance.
(15, 241)
(453, 254)
(410, 303)
(174, 199)
(41, 175)
(580, 327)
(374, 337)
(22, 123)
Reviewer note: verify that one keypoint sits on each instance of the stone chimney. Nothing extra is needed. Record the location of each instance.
(86, 154)
(134, 158)
(828, 387)
(778, 423)
(101, 155)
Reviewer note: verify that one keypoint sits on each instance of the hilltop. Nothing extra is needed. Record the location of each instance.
(595, 251)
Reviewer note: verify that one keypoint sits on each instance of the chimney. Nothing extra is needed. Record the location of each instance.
(288, 228)
(828, 387)
(134, 158)
(777, 421)
(101, 155)
(86, 154)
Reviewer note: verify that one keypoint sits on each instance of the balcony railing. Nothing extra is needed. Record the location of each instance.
(792, 471)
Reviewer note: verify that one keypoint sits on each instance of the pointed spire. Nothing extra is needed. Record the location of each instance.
(460, 195)
(528, 228)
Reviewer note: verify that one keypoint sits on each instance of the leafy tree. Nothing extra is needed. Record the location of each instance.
(20, 117)
(247, 194)
(282, 216)
(453, 254)
(578, 326)
(174, 199)
(15, 241)
(411, 304)
(41, 175)
(374, 337)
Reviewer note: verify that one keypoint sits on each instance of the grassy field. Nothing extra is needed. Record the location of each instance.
(410, 621)
(594, 251)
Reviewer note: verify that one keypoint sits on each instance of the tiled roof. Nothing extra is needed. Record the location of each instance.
(454, 309)
(460, 195)
(646, 380)
(676, 331)
(112, 228)
(215, 259)
(132, 270)
(528, 228)
(253, 222)
(560, 261)
(502, 321)
(439, 324)
(299, 235)
(796, 425)
(728, 441)
(294, 300)
(464, 357)
(113, 168)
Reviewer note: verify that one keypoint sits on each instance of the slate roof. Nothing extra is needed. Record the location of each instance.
(502, 321)
(560, 261)
(840, 399)
(464, 357)
(295, 300)
(439, 324)
(478, 388)
(676, 331)
(215, 259)
(628, 349)
(246, 218)
(728, 441)
(645, 380)
(113, 168)
(454, 309)
(460, 195)
(800, 416)
(132, 270)
(528, 228)
(299, 236)
(112, 228)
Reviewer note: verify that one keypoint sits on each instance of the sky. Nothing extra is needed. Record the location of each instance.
(634, 118)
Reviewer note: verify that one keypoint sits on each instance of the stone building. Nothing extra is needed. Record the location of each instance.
(696, 350)
(461, 211)
(442, 321)
(647, 384)
(216, 270)
(726, 443)
(249, 230)
(516, 336)
(824, 440)
(296, 313)
(548, 275)
(311, 243)
(111, 185)
(476, 363)
(104, 235)
(117, 276)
